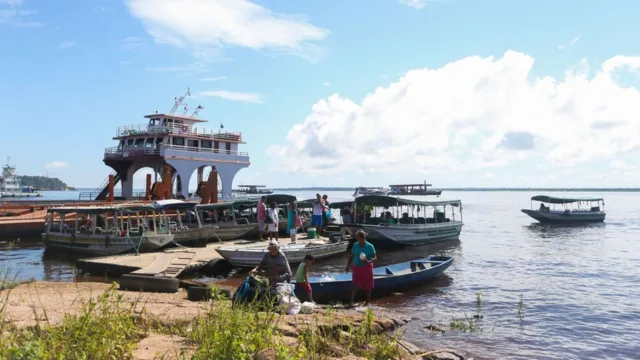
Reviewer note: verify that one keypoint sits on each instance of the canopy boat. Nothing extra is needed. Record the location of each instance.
(412, 222)
(552, 213)
(387, 279)
(413, 189)
(102, 231)
(295, 253)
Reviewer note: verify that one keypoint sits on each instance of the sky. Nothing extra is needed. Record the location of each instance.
(460, 93)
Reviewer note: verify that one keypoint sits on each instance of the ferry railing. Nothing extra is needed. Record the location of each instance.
(187, 130)
(91, 195)
(115, 152)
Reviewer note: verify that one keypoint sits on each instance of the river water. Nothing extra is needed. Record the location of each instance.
(547, 292)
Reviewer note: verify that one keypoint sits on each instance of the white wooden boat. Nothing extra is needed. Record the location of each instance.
(121, 230)
(295, 253)
(587, 210)
(412, 222)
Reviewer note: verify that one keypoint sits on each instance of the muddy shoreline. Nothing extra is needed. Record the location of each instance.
(39, 303)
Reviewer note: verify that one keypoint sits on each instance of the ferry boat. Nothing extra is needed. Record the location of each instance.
(10, 185)
(401, 222)
(177, 146)
(557, 210)
(414, 189)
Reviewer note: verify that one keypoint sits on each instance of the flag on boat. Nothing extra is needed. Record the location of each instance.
(188, 91)
(221, 126)
(356, 192)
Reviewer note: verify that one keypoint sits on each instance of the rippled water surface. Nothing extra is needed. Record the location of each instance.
(579, 286)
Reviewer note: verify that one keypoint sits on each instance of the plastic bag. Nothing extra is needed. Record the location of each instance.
(307, 307)
(363, 257)
(284, 289)
(289, 304)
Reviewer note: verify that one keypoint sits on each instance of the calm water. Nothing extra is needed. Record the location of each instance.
(580, 285)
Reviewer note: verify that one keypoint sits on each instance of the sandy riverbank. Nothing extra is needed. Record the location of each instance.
(41, 303)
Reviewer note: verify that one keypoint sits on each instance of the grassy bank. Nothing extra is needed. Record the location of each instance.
(113, 325)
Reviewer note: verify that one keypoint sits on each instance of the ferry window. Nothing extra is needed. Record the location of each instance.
(207, 144)
(139, 142)
(192, 143)
(120, 145)
(228, 147)
(149, 143)
(178, 141)
(216, 145)
(130, 142)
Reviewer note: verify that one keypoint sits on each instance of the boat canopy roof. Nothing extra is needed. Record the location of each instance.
(249, 203)
(102, 209)
(389, 201)
(561, 200)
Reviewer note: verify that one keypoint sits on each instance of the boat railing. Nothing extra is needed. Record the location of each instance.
(117, 152)
(178, 129)
(91, 195)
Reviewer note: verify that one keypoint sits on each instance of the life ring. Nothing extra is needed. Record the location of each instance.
(184, 128)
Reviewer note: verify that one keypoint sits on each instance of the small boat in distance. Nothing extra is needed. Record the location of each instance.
(252, 190)
(388, 279)
(363, 190)
(10, 184)
(551, 214)
(414, 189)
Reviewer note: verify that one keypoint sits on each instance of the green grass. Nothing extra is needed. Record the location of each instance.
(108, 327)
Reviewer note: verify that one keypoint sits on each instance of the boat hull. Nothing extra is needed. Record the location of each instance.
(105, 244)
(388, 279)
(398, 235)
(560, 217)
(295, 253)
(19, 195)
(215, 233)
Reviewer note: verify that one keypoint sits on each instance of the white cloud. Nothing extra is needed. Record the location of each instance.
(205, 27)
(573, 41)
(326, 83)
(67, 44)
(11, 14)
(215, 78)
(416, 4)
(234, 96)
(622, 165)
(133, 43)
(474, 113)
(56, 165)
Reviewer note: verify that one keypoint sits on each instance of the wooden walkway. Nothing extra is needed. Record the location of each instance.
(168, 263)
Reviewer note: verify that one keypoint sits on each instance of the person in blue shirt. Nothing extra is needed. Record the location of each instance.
(363, 254)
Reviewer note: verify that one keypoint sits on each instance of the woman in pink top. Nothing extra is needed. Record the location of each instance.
(262, 214)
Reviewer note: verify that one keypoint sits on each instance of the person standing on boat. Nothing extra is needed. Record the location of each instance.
(292, 225)
(262, 214)
(326, 213)
(275, 264)
(273, 224)
(318, 210)
(363, 254)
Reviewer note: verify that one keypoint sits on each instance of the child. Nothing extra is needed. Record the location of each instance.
(302, 279)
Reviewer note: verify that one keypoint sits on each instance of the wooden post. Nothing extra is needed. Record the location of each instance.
(148, 189)
(111, 185)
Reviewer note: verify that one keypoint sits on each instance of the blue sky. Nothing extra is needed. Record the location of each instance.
(554, 106)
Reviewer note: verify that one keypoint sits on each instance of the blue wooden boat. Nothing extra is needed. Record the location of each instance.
(387, 279)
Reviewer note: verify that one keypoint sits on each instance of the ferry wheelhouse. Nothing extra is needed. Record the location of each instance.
(175, 145)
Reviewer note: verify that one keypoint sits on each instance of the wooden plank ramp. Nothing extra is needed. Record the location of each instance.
(168, 263)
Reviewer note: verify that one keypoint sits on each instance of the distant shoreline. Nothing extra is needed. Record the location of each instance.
(476, 189)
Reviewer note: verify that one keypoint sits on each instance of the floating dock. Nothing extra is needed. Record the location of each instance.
(170, 262)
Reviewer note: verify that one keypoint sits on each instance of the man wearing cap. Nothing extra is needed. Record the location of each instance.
(262, 214)
(275, 264)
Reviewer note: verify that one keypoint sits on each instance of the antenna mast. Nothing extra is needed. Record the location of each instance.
(178, 101)
(195, 113)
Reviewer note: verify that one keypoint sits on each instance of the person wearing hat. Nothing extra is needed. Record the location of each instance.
(275, 264)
